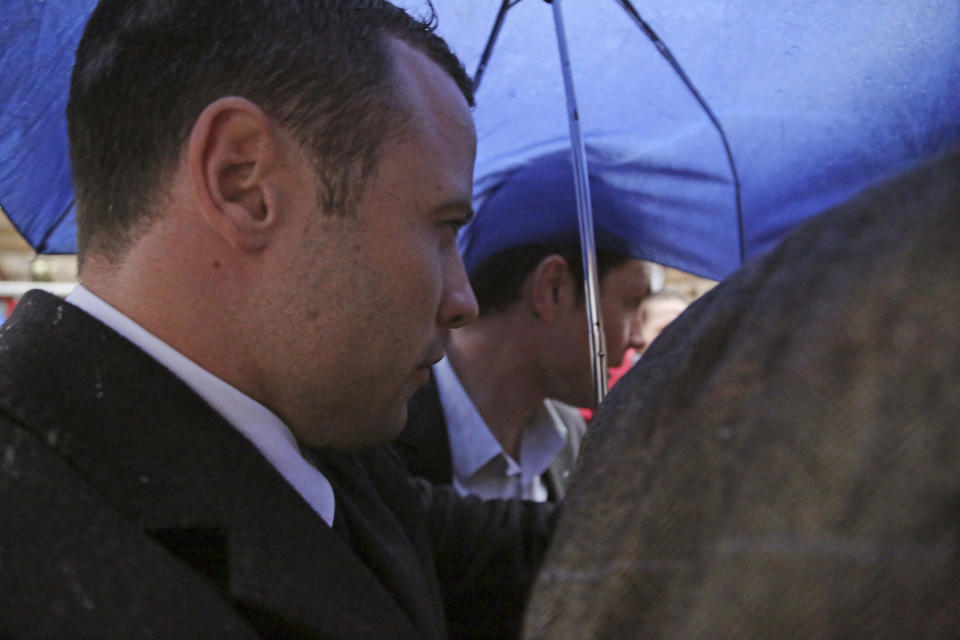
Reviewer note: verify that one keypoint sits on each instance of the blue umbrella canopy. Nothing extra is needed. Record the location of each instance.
(37, 43)
(817, 101)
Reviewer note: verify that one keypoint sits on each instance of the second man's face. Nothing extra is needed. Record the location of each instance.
(622, 291)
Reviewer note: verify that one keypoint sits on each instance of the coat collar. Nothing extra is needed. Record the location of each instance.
(424, 443)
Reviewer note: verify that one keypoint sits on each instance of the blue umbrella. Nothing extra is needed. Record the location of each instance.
(816, 100)
(37, 43)
(766, 115)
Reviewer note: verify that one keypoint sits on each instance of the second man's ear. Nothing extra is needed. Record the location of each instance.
(232, 152)
(552, 287)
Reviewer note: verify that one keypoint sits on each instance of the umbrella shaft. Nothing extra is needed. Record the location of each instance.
(585, 216)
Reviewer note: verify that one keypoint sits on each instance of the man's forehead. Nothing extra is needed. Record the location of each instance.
(631, 277)
(427, 89)
(631, 269)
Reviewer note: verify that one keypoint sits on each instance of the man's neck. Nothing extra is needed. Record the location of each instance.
(500, 379)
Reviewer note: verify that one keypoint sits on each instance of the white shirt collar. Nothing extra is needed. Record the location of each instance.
(261, 426)
(480, 465)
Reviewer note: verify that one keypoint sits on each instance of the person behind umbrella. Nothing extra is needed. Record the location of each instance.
(658, 311)
(259, 184)
(498, 418)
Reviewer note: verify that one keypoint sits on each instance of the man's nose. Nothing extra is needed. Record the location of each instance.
(638, 339)
(458, 305)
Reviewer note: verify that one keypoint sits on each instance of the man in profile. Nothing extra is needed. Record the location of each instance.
(259, 183)
(499, 417)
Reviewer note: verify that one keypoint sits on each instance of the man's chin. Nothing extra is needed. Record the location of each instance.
(587, 399)
(384, 430)
(580, 400)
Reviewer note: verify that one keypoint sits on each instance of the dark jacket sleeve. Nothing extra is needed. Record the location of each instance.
(487, 554)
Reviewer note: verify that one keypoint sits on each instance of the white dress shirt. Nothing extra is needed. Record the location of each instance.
(260, 425)
(480, 465)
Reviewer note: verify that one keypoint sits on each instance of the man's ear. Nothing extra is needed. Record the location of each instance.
(553, 289)
(232, 150)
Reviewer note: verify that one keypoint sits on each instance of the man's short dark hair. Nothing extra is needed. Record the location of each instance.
(498, 280)
(146, 69)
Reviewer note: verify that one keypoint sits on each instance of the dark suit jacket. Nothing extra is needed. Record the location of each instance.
(132, 509)
(424, 444)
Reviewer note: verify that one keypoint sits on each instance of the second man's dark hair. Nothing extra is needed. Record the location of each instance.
(497, 281)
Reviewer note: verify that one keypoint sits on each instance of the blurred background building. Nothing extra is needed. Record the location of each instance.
(21, 269)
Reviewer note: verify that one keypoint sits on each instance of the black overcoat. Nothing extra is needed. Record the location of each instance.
(132, 509)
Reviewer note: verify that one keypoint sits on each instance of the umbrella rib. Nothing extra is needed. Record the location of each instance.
(505, 6)
(42, 245)
(675, 64)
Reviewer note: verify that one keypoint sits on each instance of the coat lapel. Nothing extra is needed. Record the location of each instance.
(557, 475)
